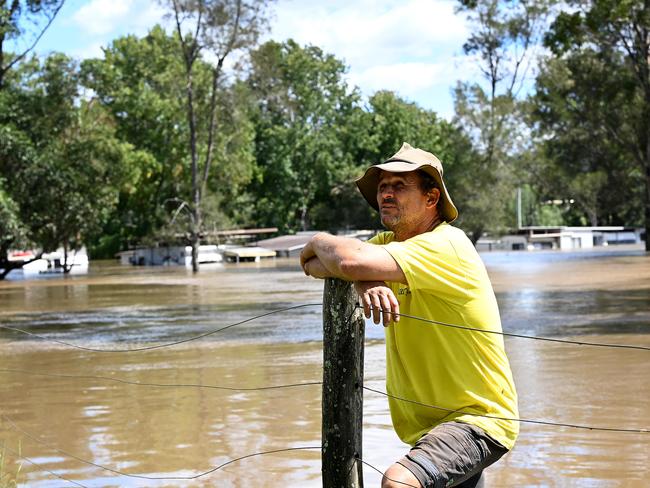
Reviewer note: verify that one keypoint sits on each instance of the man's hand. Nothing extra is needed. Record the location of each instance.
(306, 254)
(378, 299)
(314, 268)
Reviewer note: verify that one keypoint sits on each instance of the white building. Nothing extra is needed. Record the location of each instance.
(563, 238)
(169, 255)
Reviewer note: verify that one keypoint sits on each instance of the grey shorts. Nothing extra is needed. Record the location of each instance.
(452, 454)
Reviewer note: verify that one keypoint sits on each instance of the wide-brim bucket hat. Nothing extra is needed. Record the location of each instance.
(408, 159)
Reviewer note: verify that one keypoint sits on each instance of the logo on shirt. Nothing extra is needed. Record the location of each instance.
(404, 291)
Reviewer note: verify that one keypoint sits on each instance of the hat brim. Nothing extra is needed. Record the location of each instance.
(368, 183)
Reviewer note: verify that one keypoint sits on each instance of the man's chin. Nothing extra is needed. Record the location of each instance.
(388, 222)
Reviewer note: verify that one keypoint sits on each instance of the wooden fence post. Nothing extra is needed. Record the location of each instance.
(343, 336)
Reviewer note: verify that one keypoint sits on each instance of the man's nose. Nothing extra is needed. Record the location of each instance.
(386, 191)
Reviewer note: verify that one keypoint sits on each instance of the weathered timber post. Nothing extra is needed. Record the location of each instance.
(343, 335)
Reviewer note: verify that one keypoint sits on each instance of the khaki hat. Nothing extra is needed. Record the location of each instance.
(408, 159)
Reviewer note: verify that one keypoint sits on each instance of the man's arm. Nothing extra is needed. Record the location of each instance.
(349, 259)
(313, 267)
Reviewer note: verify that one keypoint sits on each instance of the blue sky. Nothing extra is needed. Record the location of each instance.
(413, 47)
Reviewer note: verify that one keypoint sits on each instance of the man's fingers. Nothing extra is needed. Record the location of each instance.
(385, 305)
(394, 307)
(376, 309)
(365, 301)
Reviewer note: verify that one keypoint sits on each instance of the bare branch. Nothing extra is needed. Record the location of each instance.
(19, 57)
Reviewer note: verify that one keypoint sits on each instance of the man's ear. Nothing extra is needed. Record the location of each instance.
(433, 197)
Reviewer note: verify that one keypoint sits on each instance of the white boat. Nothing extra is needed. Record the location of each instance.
(51, 262)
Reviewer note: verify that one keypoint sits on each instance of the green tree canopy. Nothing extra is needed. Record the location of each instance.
(601, 132)
(304, 132)
(63, 163)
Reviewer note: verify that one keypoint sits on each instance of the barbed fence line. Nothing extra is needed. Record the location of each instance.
(304, 305)
(273, 387)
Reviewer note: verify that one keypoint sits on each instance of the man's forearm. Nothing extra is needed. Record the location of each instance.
(351, 259)
(333, 252)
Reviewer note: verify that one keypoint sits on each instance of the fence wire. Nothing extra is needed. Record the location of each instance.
(273, 387)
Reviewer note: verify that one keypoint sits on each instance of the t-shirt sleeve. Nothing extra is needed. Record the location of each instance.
(431, 263)
(379, 239)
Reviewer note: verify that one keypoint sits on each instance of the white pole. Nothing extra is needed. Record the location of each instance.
(518, 208)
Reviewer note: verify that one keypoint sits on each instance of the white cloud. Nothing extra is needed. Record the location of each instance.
(408, 78)
(100, 17)
(365, 33)
(412, 47)
(87, 51)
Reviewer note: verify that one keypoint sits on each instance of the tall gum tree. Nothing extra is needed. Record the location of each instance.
(614, 30)
(305, 131)
(505, 37)
(214, 30)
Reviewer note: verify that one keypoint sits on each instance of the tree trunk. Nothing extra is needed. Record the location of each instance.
(66, 268)
(647, 198)
(196, 192)
(475, 234)
(196, 242)
(8, 266)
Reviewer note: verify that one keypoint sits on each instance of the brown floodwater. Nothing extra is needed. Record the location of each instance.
(62, 407)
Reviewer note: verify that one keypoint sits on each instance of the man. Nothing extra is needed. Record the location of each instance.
(451, 392)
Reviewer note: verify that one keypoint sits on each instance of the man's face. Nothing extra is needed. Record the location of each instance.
(402, 203)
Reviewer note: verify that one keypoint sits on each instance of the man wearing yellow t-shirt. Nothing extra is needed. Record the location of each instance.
(451, 392)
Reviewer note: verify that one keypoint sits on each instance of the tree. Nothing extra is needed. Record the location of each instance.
(505, 37)
(62, 161)
(576, 158)
(306, 132)
(604, 48)
(217, 28)
(13, 233)
(139, 81)
(26, 19)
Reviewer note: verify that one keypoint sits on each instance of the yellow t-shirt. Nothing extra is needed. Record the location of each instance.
(463, 372)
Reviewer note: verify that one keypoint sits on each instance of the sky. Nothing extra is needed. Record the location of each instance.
(412, 47)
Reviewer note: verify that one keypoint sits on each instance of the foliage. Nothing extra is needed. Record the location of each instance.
(488, 179)
(505, 38)
(12, 230)
(26, 21)
(304, 132)
(139, 81)
(219, 28)
(158, 141)
(8, 480)
(62, 162)
(594, 98)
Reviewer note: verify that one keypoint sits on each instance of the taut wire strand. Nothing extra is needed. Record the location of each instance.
(34, 463)
(526, 421)
(159, 478)
(163, 385)
(159, 346)
(521, 336)
(384, 476)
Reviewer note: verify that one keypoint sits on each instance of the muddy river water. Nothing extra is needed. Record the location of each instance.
(61, 406)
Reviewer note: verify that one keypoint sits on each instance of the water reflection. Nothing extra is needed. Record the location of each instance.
(181, 431)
